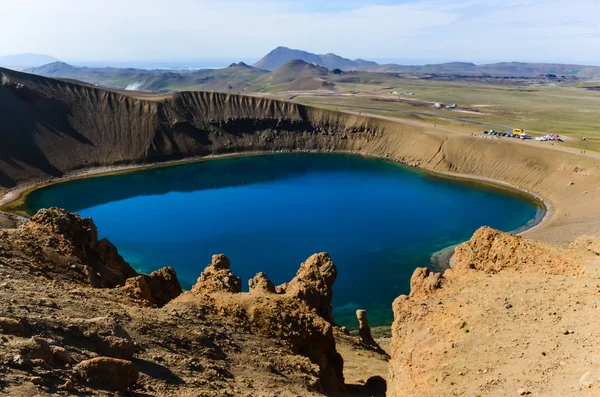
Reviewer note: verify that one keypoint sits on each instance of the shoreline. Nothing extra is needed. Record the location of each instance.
(20, 193)
(439, 260)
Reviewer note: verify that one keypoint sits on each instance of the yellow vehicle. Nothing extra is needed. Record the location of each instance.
(518, 131)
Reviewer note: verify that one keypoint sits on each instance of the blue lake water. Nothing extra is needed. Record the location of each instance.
(377, 220)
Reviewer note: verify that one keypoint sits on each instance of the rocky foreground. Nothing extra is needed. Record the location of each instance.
(76, 318)
(512, 317)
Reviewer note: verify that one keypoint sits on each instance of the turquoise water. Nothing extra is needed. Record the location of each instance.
(378, 220)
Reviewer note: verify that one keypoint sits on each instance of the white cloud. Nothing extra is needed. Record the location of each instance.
(184, 29)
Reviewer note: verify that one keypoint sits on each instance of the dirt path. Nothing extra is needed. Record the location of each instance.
(558, 146)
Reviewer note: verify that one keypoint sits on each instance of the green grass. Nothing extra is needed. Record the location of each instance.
(569, 110)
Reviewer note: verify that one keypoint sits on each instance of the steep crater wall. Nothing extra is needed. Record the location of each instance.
(51, 128)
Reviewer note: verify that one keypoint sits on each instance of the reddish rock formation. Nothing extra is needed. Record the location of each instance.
(36, 349)
(424, 281)
(364, 331)
(108, 373)
(158, 288)
(492, 323)
(62, 245)
(218, 277)
(491, 251)
(260, 282)
(298, 314)
(313, 284)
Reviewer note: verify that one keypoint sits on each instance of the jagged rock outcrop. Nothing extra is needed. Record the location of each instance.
(491, 251)
(261, 282)
(61, 245)
(493, 323)
(218, 277)
(298, 314)
(423, 281)
(156, 289)
(313, 284)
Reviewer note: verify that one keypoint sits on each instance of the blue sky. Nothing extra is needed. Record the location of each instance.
(433, 30)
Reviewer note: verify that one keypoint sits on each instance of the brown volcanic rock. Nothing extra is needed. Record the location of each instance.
(77, 235)
(11, 326)
(313, 284)
(108, 373)
(509, 310)
(291, 317)
(158, 288)
(103, 335)
(36, 349)
(364, 331)
(208, 343)
(109, 256)
(260, 282)
(217, 277)
(61, 245)
(491, 251)
(424, 281)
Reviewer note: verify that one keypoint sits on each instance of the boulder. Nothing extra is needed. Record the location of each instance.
(77, 235)
(260, 282)
(423, 281)
(36, 349)
(12, 326)
(105, 336)
(158, 288)
(61, 355)
(70, 243)
(217, 277)
(313, 284)
(108, 373)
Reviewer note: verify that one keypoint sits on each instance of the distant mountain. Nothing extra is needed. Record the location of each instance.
(54, 69)
(283, 55)
(237, 77)
(25, 60)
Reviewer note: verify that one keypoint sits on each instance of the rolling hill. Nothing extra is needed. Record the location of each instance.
(237, 76)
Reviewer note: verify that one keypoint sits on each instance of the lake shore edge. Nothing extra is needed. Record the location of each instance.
(13, 199)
